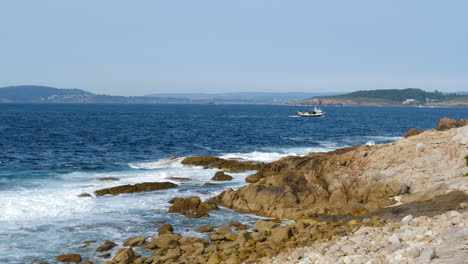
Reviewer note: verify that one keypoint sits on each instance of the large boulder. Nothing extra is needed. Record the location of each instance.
(108, 245)
(233, 166)
(124, 256)
(135, 188)
(191, 207)
(68, 258)
(221, 176)
(354, 180)
(166, 241)
(447, 123)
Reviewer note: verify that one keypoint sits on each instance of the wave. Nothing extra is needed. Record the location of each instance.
(272, 154)
(174, 162)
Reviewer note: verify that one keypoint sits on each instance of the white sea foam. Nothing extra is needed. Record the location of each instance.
(271, 154)
(174, 162)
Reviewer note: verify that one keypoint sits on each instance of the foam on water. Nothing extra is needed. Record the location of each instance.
(174, 162)
(272, 154)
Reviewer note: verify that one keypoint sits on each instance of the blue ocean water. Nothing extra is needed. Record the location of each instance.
(51, 153)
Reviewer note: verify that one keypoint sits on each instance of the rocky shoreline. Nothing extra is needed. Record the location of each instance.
(401, 202)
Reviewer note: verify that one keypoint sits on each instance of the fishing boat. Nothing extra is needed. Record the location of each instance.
(317, 112)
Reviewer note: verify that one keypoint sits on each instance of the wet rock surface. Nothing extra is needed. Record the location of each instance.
(233, 166)
(191, 207)
(135, 188)
(221, 176)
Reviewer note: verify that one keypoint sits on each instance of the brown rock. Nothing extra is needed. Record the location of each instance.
(68, 258)
(205, 229)
(85, 195)
(167, 241)
(124, 256)
(223, 230)
(107, 179)
(87, 262)
(192, 240)
(140, 187)
(264, 225)
(447, 123)
(210, 184)
(221, 176)
(134, 242)
(105, 255)
(214, 237)
(165, 229)
(233, 166)
(281, 234)
(191, 207)
(108, 245)
(412, 132)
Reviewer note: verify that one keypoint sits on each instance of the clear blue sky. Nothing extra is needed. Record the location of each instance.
(140, 47)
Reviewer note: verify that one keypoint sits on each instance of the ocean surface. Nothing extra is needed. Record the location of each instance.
(49, 154)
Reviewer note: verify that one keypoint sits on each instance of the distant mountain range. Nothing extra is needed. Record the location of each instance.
(246, 97)
(391, 97)
(404, 97)
(44, 94)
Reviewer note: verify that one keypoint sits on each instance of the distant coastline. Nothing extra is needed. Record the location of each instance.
(409, 97)
(392, 97)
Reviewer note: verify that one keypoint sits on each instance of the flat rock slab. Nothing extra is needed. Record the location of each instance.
(136, 188)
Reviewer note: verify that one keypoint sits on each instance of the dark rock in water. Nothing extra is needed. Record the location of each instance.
(182, 179)
(412, 132)
(447, 123)
(87, 243)
(68, 258)
(108, 245)
(87, 262)
(140, 187)
(191, 207)
(85, 195)
(105, 255)
(205, 229)
(160, 222)
(210, 184)
(209, 162)
(221, 176)
(165, 229)
(107, 179)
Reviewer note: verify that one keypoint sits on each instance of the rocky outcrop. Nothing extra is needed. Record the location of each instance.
(438, 239)
(108, 245)
(233, 166)
(447, 123)
(356, 180)
(412, 132)
(135, 188)
(221, 176)
(107, 179)
(191, 207)
(75, 258)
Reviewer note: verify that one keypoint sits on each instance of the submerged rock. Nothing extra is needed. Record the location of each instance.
(191, 207)
(68, 258)
(135, 188)
(84, 195)
(233, 166)
(108, 245)
(107, 179)
(221, 176)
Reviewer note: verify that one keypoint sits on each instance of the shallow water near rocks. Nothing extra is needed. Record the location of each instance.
(49, 154)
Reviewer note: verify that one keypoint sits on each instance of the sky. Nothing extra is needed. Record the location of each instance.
(147, 46)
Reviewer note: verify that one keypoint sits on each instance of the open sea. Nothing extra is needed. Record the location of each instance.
(49, 154)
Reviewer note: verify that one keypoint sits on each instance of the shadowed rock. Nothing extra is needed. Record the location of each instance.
(135, 188)
(107, 179)
(233, 166)
(191, 207)
(221, 176)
